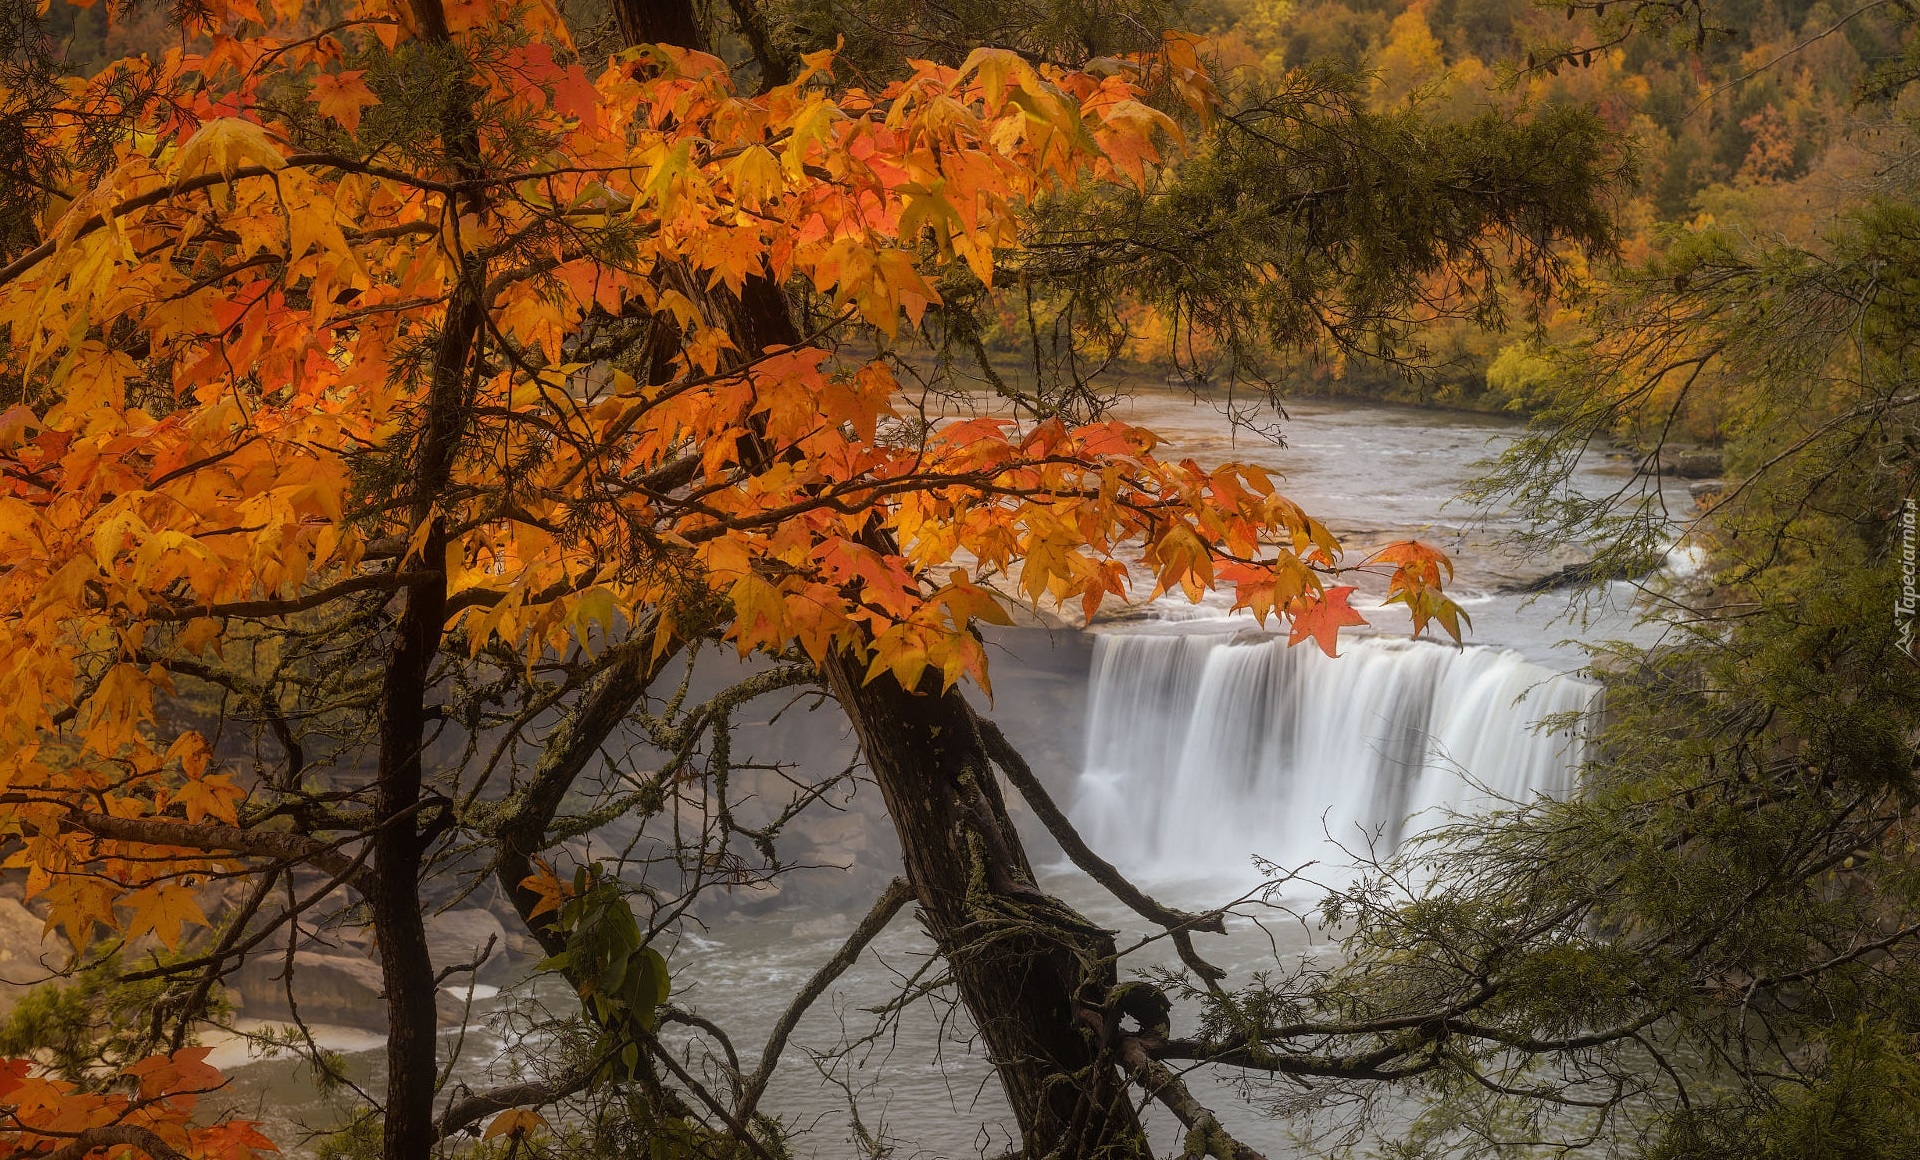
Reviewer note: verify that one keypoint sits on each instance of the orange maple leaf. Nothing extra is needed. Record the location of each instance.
(185, 1070)
(342, 95)
(515, 1122)
(1416, 560)
(547, 885)
(1322, 619)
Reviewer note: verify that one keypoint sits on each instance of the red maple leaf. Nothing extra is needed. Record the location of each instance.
(1322, 619)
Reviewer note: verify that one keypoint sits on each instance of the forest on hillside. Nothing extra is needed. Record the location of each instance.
(1760, 118)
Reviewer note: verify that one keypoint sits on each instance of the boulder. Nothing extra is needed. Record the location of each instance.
(329, 988)
(1701, 464)
(1691, 463)
(458, 937)
(29, 953)
(343, 985)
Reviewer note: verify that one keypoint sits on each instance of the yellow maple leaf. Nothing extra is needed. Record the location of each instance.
(226, 142)
(214, 795)
(163, 909)
(75, 902)
(192, 750)
(514, 1122)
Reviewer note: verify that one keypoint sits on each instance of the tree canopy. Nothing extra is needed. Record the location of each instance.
(410, 389)
(416, 372)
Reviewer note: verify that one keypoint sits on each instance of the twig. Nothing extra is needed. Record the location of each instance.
(1178, 923)
(895, 896)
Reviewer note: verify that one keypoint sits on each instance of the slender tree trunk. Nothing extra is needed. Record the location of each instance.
(403, 835)
(405, 965)
(401, 840)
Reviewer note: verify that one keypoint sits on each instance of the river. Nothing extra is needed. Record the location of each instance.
(1184, 743)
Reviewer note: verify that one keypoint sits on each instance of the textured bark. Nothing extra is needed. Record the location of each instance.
(1035, 975)
(659, 22)
(398, 846)
(1205, 1136)
(400, 839)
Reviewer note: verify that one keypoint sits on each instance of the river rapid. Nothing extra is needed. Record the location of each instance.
(1184, 742)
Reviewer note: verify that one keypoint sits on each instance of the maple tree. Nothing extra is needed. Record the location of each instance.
(423, 335)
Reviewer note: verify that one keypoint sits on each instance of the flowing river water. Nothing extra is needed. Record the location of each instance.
(1185, 743)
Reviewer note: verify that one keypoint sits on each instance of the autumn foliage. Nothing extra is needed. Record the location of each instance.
(154, 1115)
(225, 347)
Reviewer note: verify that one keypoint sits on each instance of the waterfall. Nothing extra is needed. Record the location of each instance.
(1206, 748)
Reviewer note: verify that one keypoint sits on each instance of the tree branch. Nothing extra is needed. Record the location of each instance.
(210, 836)
(897, 894)
(117, 1135)
(469, 1110)
(1178, 922)
(1205, 1136)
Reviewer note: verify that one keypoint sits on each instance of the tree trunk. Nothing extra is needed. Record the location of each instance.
(1034, 975)
(401, 840)
(406, 968)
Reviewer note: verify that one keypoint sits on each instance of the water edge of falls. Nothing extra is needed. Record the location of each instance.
(1206, 748)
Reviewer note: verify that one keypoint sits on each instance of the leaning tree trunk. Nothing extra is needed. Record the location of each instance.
(1035, 976)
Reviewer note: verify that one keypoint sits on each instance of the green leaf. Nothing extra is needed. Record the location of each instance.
(657, 984)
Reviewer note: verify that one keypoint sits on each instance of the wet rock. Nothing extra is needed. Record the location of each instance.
(327, 988)
(1697, 465)
(458, 937)
(28, 953)
(1573, 576)
(1693, 463)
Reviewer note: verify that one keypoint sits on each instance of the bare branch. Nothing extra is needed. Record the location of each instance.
(1178, 922)
(896, 895)
(1205, 1136)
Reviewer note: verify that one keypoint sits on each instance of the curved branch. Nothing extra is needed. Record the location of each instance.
(895, 896)
(1178, 922)
(1205, 1136)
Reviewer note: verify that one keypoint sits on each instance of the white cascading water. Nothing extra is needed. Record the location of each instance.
(1207, 748)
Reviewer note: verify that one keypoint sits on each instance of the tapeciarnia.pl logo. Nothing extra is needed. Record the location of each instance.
(1909, 602)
